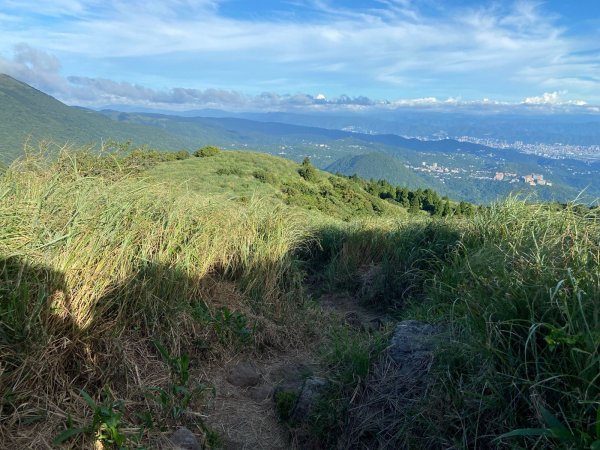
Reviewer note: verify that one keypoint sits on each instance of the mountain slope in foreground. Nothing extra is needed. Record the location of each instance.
(27, 114)
(130, 296)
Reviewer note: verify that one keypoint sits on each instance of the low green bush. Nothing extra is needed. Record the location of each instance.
(264, 177)
(307, 170)
(207, 151)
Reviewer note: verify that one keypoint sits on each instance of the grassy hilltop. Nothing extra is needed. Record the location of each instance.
(127, 280)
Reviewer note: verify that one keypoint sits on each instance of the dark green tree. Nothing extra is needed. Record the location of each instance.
(415, 205)
(307, 170)
(447, 211)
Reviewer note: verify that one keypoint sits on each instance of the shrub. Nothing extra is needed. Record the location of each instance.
(264, 177)
(182, 154)
(307, 170)
(207, 151)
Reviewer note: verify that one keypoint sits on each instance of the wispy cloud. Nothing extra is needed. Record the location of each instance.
(386, 49)
(42, 70)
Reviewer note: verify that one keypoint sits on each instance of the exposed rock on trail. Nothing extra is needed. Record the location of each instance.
(184, 439)
(244, 374)
(412, 347)
(308, 396)
(397, 381)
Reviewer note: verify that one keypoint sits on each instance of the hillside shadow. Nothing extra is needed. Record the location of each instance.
(382, 268)
(26, 291)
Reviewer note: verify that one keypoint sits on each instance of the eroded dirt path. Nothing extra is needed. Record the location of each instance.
(351, 312)
(243, 411)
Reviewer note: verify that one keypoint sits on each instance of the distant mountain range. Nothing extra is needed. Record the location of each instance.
(528, 123)
(459, 169)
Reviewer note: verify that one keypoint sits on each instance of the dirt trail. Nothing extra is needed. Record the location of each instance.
(351, 312)
(245, 416)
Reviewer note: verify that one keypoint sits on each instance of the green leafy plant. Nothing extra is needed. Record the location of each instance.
(231, 325)
(106, 423)
(228, 325)
(177, 396)
(559, 337)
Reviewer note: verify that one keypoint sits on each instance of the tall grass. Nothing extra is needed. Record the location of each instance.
(96, 261)
(385, 263)
(90, 260)
(518, 290)
(524, 305)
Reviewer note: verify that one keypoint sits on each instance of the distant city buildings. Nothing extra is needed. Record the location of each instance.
(532, 179)
(554, 151)
(435, 168)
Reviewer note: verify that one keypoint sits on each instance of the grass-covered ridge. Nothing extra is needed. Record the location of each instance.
(115, 271)
(241, 175)
(28, 116)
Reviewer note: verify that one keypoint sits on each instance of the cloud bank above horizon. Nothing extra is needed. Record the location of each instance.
(291, 55)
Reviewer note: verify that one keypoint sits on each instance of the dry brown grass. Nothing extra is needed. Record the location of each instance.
(96, 267)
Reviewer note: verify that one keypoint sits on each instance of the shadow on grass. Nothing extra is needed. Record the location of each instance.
(383, 268)
(47, 358)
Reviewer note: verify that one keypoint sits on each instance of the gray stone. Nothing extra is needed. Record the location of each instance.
(412, 347)
(286, 373)
(184, 439)
(400, 379)
(352, 319)
(244, 374)
(288, 378)
(308, 396)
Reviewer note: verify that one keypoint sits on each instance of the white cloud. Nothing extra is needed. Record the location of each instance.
(397, 50)
(548, 98)
(552, 98)
(42, 70)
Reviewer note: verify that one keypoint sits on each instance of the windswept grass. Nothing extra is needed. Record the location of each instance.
(241, 175)
(101, 259)
(94, 266)
(518, 290)
(523, 302)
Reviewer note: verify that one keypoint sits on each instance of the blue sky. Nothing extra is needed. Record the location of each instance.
(270, 55)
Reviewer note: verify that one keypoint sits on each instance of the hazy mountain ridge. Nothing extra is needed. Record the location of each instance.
(28, 113)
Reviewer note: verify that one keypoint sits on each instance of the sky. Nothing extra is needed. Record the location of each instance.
(302, 54)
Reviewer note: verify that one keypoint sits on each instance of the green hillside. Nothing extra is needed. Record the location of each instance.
(133, 288)
(383, 156)
(381, 166)
(28, 115)
(244, 175)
